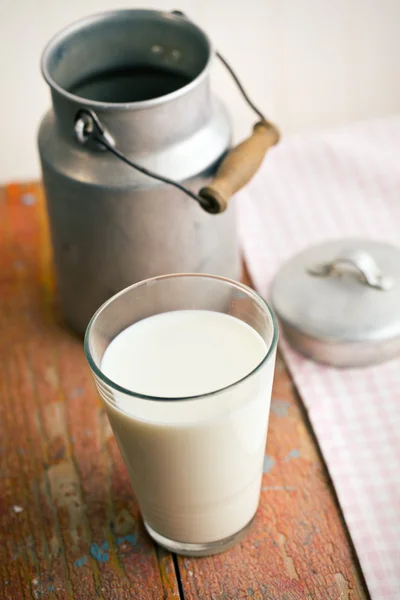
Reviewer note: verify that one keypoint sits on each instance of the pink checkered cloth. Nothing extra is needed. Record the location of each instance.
(310, 189)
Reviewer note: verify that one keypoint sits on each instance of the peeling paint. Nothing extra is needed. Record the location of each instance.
(55, 416)
(55, 546)
(123, 524)
(28, 199)
(65, 492)
(76, 392)
(131, 538)
(280, 407)
(81, 561)
(288, 560)
(269, 462)
(343, 586)
(99, 553)
(294, 453)
(51, 377)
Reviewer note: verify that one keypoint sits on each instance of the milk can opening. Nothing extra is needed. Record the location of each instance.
(126, 57)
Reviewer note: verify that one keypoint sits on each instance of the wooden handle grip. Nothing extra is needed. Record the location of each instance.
(238, 167)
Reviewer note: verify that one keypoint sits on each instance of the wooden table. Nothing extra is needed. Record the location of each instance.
(69, 523)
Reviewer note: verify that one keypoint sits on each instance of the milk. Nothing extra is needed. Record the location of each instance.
(195, 464)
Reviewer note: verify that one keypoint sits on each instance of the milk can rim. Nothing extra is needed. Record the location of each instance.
(120, 106)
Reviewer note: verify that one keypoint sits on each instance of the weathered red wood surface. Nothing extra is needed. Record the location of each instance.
(69, 524)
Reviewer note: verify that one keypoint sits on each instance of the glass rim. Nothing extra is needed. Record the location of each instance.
(241, 286)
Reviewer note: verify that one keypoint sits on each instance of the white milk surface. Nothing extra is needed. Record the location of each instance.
(196, 464)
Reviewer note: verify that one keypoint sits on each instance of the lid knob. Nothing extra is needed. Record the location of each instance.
(364, 267)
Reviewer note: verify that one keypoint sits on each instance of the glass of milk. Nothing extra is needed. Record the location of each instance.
(184, 364)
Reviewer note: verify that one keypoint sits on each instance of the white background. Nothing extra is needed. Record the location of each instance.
(308, 63)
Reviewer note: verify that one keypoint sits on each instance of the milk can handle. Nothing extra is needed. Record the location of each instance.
(235, 170)
(240, 164)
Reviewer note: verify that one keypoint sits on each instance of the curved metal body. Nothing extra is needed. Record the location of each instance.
(112, 226)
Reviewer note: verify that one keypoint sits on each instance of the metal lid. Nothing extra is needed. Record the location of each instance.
(339, 302)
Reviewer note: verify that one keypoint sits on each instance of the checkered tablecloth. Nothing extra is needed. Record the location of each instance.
(310, 189)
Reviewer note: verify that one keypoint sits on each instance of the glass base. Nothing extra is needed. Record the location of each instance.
(206, 549)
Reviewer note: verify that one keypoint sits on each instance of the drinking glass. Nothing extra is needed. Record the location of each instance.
(195, 463)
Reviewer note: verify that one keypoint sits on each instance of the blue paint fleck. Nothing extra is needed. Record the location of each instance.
(51, 588)
(81, 561)
(99, 553)
(28, 199)
(280, 407)
(268, 463)
(131, 538)
(293, 454)
(76, 392)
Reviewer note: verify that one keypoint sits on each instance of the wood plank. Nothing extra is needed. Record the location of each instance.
(298, 548)
(69, 522)
(79, 534)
